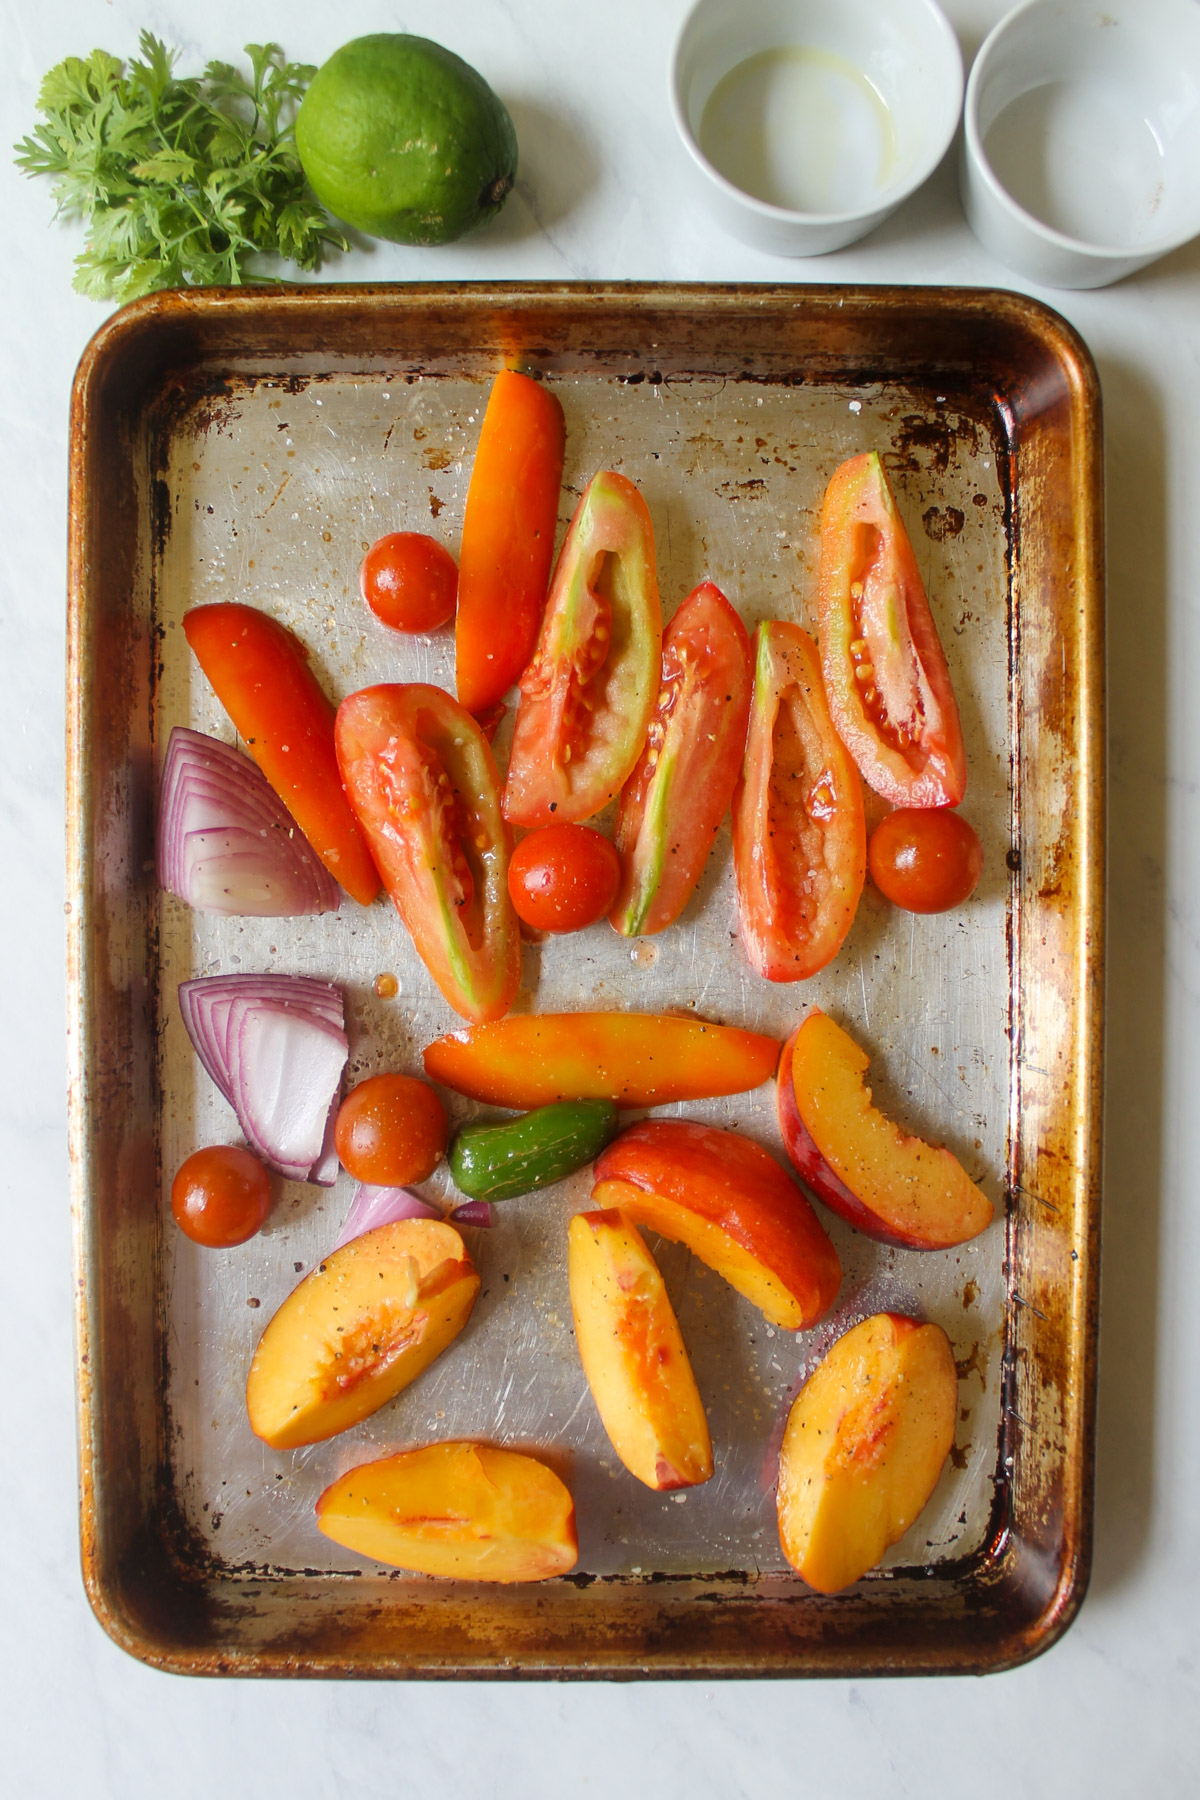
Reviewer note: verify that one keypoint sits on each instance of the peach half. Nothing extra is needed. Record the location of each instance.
(455, 1509)
(893, 1187)
(866, 1440)
(734, 1208)
(633, 1354)
(358, 1329)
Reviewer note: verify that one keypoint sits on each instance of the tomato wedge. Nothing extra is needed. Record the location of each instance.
(424, 784)
(885, 670)
(673, 803)
(587, 696)
(799, 830)
(261, 675)
(508, 537)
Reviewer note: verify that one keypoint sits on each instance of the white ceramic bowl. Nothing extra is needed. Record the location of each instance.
(806, 122)
(1081, 142)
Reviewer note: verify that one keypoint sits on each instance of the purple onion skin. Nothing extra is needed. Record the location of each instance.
(473, 1212)
(372, 1207)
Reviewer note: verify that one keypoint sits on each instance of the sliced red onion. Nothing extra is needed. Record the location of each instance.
(227, 843)
(275, 1045)
(472, 1212)
(375, 1206)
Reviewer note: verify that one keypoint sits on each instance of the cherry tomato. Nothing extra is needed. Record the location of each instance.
(885, 671)
(262, 678)
(422, 779)
(563, 877)
(391, 1130)
(925, 859)
(410, 581)
(587, 696)
(799, 832)
(507, 538)
(673, 803)
(221, 1196)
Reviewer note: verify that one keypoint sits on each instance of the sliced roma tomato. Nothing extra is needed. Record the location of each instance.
(508, 538)
(799, 831)
(632, 1059)
(587, 696)
(885, 670)
(261, 676)
(673, 803)
(422, 779)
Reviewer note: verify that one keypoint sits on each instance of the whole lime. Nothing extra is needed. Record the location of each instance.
(405, 140)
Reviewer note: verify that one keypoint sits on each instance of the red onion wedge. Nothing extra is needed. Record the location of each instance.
(473, 1212)
(275, 1045)
(227, 843)
(375, 1206)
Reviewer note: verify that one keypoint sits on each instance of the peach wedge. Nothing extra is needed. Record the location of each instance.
(455, 1509)
(734, 1208)
(866, 1441)
(893, 1187)
(633, 1355)
(358, 1329)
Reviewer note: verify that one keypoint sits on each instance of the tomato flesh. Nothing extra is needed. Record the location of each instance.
(508, 537)
(391, 1130)
(422, 780)
(262, 678)
(799, 830)
(409, 581)
(885, 671)
(221, 1196)
(673, 803)
(925, 860)
(563, 877)
(587, 696)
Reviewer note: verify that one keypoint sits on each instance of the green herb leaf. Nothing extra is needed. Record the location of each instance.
(181, 183)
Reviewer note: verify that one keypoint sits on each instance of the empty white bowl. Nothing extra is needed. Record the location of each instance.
(1081, 142)
(806, 122)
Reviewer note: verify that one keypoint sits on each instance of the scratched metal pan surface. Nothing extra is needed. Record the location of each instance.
(251, 447)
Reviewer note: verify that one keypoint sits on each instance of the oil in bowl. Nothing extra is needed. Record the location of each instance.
(800, 128)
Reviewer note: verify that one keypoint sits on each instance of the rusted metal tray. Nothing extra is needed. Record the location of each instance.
(251, 446)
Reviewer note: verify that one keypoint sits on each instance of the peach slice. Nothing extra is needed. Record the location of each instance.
(734, 1208)
(866, 1441)
(633, 1355)
(358, 1329)
(893, 1187)
(455, 1509)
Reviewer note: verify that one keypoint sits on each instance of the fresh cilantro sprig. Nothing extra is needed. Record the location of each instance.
(181, 183)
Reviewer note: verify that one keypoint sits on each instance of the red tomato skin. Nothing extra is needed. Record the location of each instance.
(391, 1130)
(587, 696)
(409, 581)
(799, 829)
(221, 1196)
(925, 860)
(262, 678)
(913, 756)
(563, 877)
(508, 537)
(673, 803)
(424, 784)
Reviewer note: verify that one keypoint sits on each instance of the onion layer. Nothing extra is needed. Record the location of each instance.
(275, 1045)
(375, 1206)
(227, 843)
(472, 1212)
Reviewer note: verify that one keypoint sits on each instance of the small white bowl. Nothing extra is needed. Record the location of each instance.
(1081, 146)
(806, 122)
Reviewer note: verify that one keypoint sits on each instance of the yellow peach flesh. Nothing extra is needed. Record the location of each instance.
(358, 1330)
(633, 1354)
(455, 1509)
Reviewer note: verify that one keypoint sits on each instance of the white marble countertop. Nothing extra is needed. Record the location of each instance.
(1113, 1709)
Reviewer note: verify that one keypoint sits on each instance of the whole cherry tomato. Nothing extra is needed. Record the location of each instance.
(925, 859)
(221, 1196)
(391, 1130)
(563, 877)
(410, 581)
